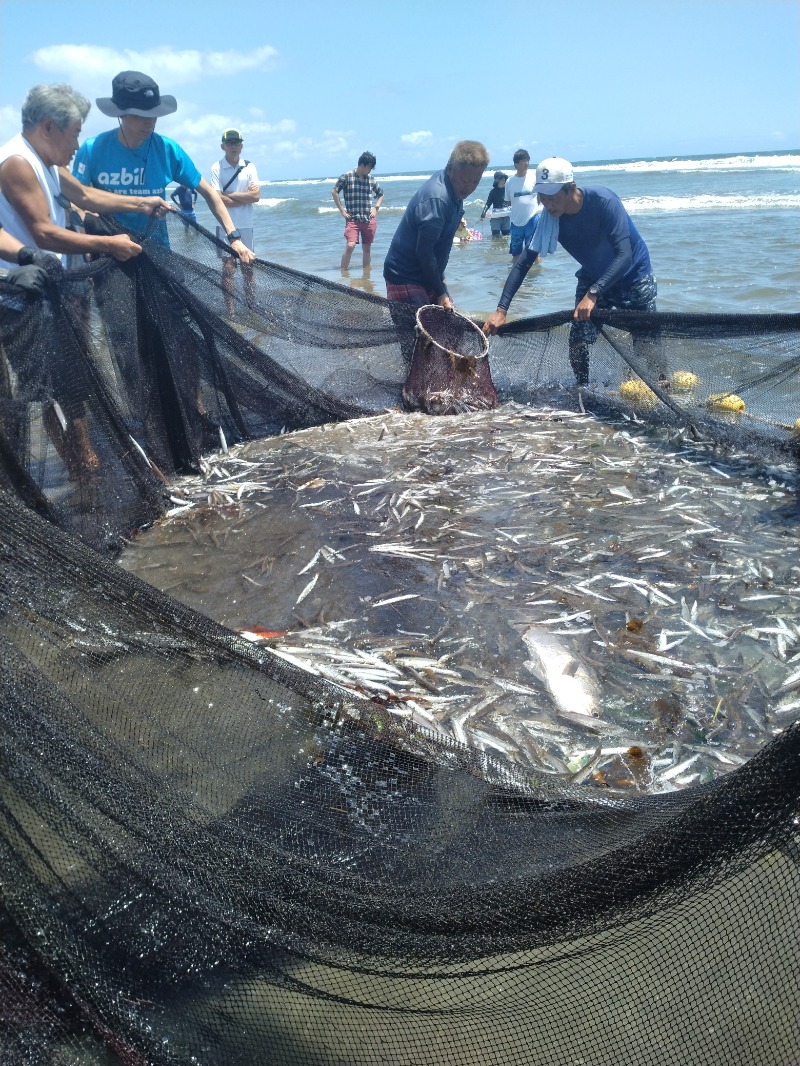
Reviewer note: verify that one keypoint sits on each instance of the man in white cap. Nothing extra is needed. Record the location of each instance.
(597, 231)
(136, 161)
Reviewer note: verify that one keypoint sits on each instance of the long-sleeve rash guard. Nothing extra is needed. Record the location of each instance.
(601, 237)
(423, 240)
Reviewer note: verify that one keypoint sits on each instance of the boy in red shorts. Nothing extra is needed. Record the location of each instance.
(359, 211)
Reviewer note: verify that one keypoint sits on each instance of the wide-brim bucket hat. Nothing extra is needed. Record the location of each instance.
(134, 93)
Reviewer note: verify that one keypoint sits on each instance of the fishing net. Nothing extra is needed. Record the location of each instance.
(209, 856)
(449, 370)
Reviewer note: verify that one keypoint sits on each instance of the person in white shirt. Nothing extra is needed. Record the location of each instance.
(237, 182)
(525, 208)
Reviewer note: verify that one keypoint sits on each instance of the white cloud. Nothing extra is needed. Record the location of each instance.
(419, 137)
(284, 125)
(206, 128)
(199, 135)
(330, 144)
(166, 65)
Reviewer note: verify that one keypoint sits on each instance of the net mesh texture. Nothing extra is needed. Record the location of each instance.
(208, 856)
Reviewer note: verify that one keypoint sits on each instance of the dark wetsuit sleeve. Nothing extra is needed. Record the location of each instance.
(428, 264)
(516, 276)
(619, 237)
(619, 266)
(431, 216)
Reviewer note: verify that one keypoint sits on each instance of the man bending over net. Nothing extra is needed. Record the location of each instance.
(594, 227)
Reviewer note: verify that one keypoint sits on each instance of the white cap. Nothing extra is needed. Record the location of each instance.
(551, 174)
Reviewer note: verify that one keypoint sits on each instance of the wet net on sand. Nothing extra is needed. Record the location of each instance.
(208, 855)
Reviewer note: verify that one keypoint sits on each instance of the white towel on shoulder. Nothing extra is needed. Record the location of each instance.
(545, 236)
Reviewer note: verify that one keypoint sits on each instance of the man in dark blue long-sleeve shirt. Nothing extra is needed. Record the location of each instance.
(598, 232)
(415, 263)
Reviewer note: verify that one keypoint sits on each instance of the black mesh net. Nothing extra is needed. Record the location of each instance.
(208, 856)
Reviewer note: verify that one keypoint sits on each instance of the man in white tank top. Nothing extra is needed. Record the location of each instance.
(36, 192)
(35, 196)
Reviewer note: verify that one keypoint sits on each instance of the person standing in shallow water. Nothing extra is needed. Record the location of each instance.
(237, 183)
(594, 227)
(359, 212)
(524, 207)
(497, 201)
(185, 198)
(420, 249)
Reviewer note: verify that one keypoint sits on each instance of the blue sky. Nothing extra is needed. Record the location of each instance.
(313, 84)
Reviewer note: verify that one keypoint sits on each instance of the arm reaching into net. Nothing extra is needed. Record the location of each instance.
(220, 213)
(102, 202)
(24, 193)
(515, 278)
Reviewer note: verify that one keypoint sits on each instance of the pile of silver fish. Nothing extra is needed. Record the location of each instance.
(584, 597)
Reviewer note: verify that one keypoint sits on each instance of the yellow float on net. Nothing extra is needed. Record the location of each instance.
(638, 393)
(796, 427)
(683, 380)
(726, 401)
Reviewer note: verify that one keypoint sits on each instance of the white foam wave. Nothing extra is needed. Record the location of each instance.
(302, 181)
(274, 201)
(380, 178)
(707, 202)
(734, 162)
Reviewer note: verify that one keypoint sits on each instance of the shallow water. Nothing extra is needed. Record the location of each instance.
(408, 557)
(721, 235)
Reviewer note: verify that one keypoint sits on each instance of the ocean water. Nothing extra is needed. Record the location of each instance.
(722, 232)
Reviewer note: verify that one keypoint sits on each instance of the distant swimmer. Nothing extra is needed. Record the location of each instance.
(138, 161)
(420, 249)
(498, 200)
(597, 231)
(360, 211)
(525, 209)
(464, 233)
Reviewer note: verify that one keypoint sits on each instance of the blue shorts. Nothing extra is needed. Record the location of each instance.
(521, 235)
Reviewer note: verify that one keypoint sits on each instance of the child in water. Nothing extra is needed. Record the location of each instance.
(465, 234)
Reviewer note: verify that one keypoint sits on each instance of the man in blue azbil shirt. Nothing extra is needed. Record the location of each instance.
(595, 229)
(415, 263)
(134, 158)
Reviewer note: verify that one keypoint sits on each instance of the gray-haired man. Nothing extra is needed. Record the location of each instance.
(36, 190)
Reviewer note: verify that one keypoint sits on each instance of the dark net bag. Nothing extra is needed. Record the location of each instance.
(450, 367)
(209, 856)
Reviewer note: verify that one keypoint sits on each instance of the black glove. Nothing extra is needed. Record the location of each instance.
(48, 262)
(30, 279)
